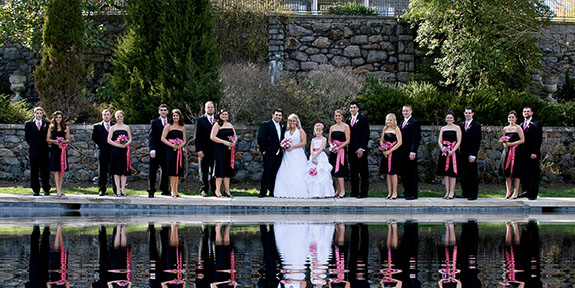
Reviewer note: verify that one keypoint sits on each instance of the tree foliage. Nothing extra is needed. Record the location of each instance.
(60, 77)
(21, 22)
(481, 43)
(168, 56)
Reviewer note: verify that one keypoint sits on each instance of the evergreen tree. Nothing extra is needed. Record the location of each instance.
(188, 60)
(60, 77)
(168, 56)
(135, 63)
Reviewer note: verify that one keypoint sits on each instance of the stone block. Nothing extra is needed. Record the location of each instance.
(10, 161)
(291, 65)
(334, 34)
(359, 39)
(83, 175)
(363, 69)
(335, 51)
(307, 39)
(342, 43)
(11, 54)
(296, 30)
(392, 59)
(347, 32)
(352, 51)
(318, 58)
(298, 55)
(376, 56)
(6, 152)
(370, 46)
(322, 42)
(326, 67)
(404, 76)
(357, 61)
(307, 66)
(311, 51)
(339, 61)
(375, 39)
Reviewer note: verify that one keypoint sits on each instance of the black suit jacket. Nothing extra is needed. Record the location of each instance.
(202, 135)
(268, 141)
(410, 135)
(533, 138)
(155, 136)
(470, 139)
(35, 138)
(359, 134)
(100, 137)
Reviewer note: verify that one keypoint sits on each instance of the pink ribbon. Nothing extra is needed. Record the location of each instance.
(340, 155)
(233, 266)
(340, 266)
(511, 158)
(389, 157)
(128, 160)
(232, 156)
(315, 149)
(178, 160)
(63, 162)
(63, 263)
(451, 145)
(450, 264)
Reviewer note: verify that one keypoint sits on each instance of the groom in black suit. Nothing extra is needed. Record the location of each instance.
(270, 135)
(357, 152)
(205, 149)
(100, 137)
(470, 141)
(411, 136)
(532, 154)
(35, 132)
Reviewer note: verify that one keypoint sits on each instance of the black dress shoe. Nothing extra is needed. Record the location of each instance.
(204, 194)
(523, 195)
(401, 196)
(361, 196)
(532, 198)
(166, 193)
(261, 196)
(47, 193)
(460, 196)
(409, 198)
(472, 198)
(36, 193)
(101, 194)
(150, 195)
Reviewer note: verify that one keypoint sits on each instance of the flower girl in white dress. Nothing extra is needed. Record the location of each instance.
(318, 178)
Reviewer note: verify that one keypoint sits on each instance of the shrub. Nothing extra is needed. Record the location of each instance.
(351, 9)
(242, 35)
(16, 113)
(379, 98)
(249, 96)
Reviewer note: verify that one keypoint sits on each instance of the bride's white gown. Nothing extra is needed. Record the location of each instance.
(290, 180)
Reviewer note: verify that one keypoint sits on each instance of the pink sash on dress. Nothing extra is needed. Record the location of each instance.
(340, 155)
(451, 145)
(63, 162)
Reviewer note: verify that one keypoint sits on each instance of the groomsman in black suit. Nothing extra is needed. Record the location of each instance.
(100, 137)
(411, 136)
(533, 132)
(205, 149)
(470, 141)
(270, 135)
(35, 132)
(158, 152)
(357, 152)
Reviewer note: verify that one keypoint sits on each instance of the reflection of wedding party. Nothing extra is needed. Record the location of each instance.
(290, 170)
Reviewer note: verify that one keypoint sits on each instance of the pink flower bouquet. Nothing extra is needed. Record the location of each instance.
(60, 139)
(445, 150)
(286, 143)
(122, 139)
(312, 172)
(385, 146)
(232, 139)
(332, 148)
(504, 139)
(176, 141)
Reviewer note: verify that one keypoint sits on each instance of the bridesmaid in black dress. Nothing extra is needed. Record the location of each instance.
(174, 136)
(59, 137)
(225, 137)
(339, 134)
(511, 166)
(390, 139)
(120, 163)
(449, 141)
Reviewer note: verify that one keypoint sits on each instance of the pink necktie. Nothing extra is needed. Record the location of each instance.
(38, 125)
(352, 122)
(211, 120)
(108, 127)
(403, 125)
(524, 125)
(164, 122)
(467, 126)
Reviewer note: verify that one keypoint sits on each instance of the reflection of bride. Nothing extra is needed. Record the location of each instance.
(299, 243)
(291, 174)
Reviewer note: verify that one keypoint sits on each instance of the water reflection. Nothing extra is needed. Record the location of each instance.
(290, 255)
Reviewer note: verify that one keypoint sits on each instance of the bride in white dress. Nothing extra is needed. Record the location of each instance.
(292, 172)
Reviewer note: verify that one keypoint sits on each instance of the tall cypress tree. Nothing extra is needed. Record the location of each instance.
(60, 77)
(134, 61)
(188, 60)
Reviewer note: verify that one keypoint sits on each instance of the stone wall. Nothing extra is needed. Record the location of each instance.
(379, 45)
(558, 150)
(558, 46)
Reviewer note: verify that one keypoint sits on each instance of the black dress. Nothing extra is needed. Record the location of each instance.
(174, 167)
(119, 157)
(56, 153)
(449, 136)
(389, 164)
(511, 166)
(342, 172)
(222, 155)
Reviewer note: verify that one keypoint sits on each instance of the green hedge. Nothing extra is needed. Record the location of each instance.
(429, 104)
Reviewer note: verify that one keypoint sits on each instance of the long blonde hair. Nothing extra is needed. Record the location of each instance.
(392, 126)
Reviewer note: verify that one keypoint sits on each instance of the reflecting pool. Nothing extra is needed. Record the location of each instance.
(288, 254)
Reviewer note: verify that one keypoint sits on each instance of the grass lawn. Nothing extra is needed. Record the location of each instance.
(488, 192)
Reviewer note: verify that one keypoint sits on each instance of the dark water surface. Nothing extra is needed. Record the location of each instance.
(289, 254)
